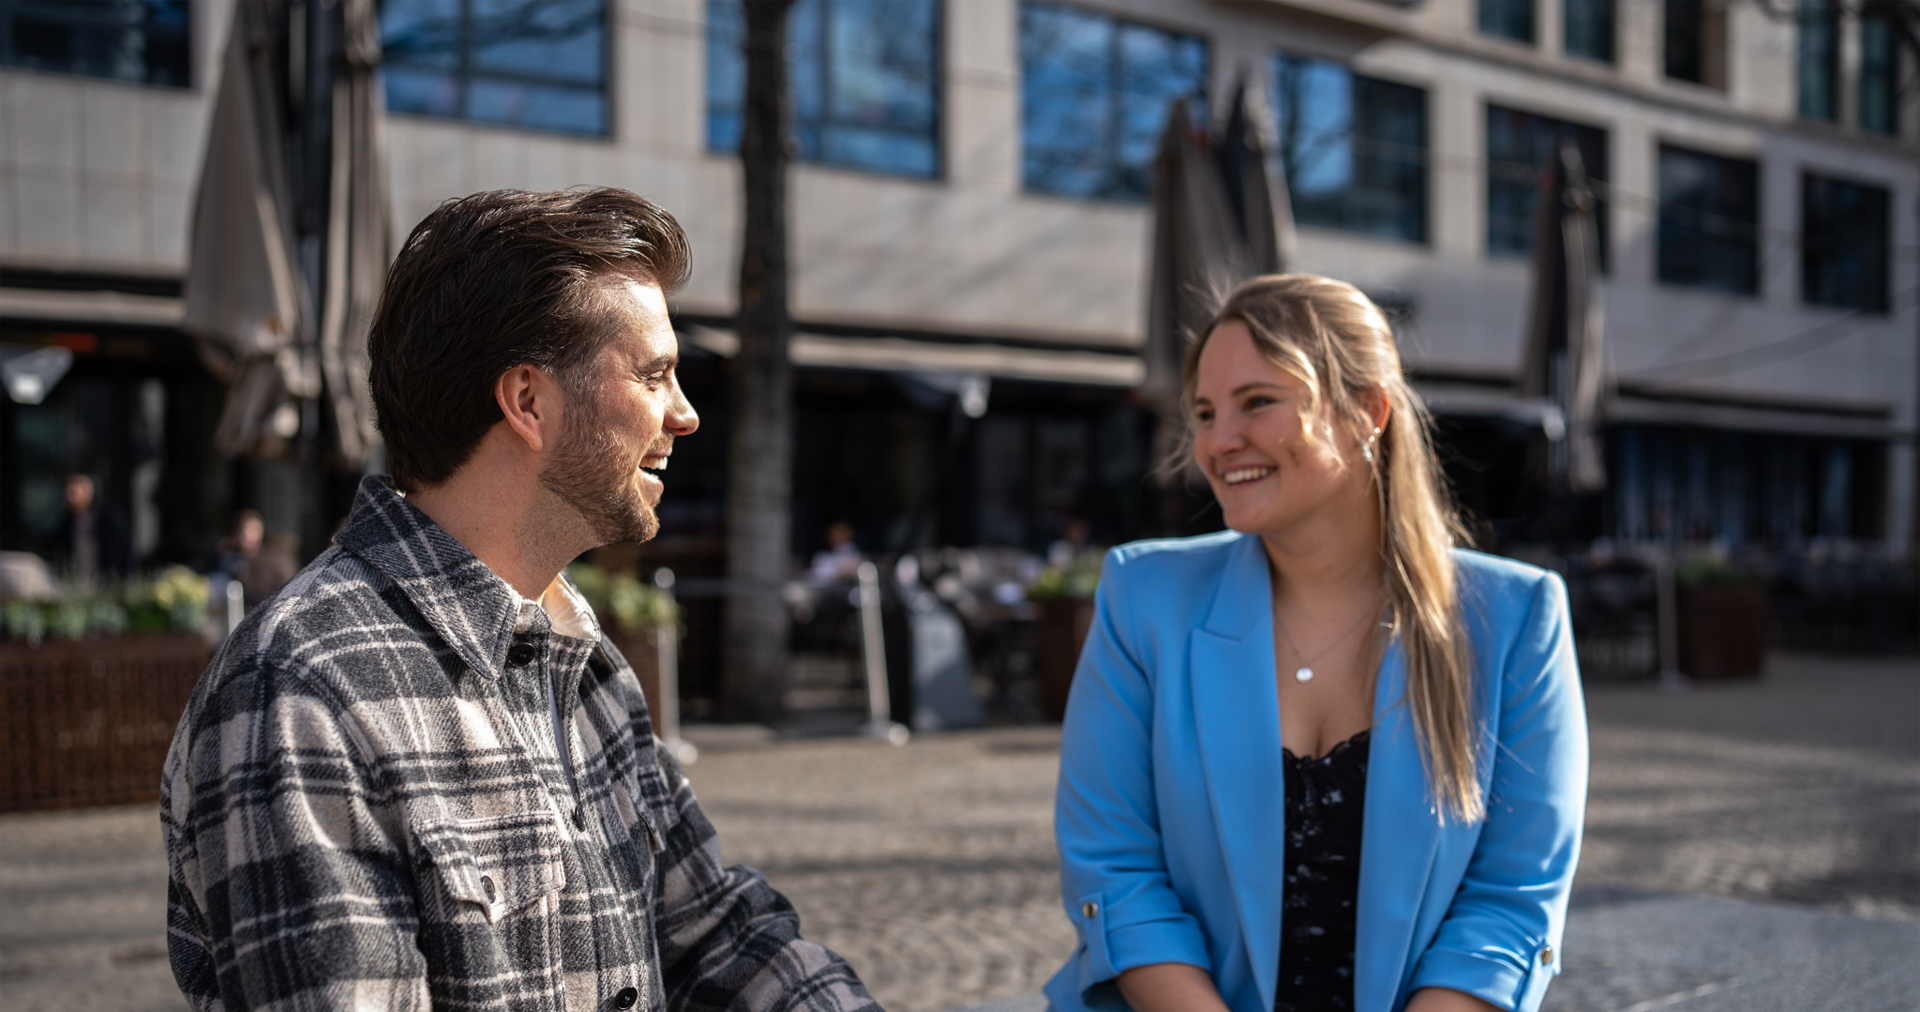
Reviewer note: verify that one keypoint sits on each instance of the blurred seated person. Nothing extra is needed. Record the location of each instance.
(241, 544)
(261, 564)
(94, 539)
(1074, 545)
(841, 559)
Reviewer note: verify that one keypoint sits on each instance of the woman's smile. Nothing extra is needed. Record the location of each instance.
(1245, 475)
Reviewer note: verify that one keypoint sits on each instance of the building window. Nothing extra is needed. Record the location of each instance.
(1519, 147)
(864, 78)
(148, 41)
(1709, 221)
(1095, 92)
(1507, 19)
(524, 63)
(1843, 243)
(1589, 29)
(1819, 60)
(1694, 36)
(1354, 148)
(1879, 75)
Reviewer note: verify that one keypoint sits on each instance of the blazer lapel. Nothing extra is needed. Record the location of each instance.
(1400, 837)
(1237, 716)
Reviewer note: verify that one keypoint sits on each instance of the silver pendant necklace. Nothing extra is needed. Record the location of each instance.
(1304, 673)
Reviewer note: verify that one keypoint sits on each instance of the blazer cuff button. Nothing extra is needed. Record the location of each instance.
(1546, 955)
(1090, 909)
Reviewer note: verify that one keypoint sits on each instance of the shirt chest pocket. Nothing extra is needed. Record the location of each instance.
(499, 865)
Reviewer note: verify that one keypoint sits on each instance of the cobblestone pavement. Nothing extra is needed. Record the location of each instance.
(931, 867)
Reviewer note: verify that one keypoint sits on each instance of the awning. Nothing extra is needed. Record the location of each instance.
(1467, 400)
(90, 307)
(896, 354)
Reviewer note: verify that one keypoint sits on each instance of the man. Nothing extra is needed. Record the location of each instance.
(418, 776)
(93, 539)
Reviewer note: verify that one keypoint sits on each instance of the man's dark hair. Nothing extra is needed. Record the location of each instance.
(493, 281)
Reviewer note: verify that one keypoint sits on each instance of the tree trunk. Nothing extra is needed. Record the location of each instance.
(760, 473)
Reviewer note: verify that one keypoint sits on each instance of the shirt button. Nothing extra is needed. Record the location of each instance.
(1546, 955)
(519, 654)
(580, 818)
(1091, 909)
(625, 999)
(486, 883)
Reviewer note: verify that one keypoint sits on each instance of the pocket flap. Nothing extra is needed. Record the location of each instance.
(501, 864)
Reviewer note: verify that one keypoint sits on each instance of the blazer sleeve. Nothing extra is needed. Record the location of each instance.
(1501, 936)
(1112, 869)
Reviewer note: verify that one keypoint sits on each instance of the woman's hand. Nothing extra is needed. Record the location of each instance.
(1171, 987)
(1443, 999)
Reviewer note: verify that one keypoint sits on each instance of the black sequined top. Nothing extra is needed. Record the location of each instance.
(1325, 802)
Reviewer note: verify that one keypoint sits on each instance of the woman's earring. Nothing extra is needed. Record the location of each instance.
(1366, 450)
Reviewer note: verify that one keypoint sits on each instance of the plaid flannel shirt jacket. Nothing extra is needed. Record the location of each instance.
(365, 808)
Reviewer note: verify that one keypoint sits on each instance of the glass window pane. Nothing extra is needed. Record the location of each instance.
(1879, 75)
(147, 41)
(1709, 221)
(1589, 29)
(726, 73)
(1844, 243)
(1095, 97)
(553, 40)
(1353, 148)
(1819, 62)
(1067, 110)
(1683, 39)
(532, 63)
(1519, 148)
(1507, 19)
(863, 79)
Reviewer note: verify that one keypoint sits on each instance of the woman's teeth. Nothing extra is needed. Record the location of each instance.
(1241, 475)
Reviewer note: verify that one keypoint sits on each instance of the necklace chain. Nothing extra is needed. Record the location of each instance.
(1306, 663)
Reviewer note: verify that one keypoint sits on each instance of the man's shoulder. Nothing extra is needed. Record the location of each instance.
(331, 618)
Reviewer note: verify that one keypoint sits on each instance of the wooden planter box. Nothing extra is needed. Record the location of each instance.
(1063, 631)
(89, 722)
(1723, 632)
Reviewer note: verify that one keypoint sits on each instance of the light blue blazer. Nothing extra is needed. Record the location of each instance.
(1170, 815)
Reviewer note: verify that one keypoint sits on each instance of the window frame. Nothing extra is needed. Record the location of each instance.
(1808, 15)
(1612, 33)
(1487, 23)
(1603, 217)
(1883, 305)
(936, 130)
(1757, 226)
(189, 34)
(1424, 236)
(1203, 99)
(463, 73)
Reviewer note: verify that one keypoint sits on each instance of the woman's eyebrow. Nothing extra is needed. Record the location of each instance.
(1256, 385)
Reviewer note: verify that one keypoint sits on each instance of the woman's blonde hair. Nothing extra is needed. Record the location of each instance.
(1332, 338)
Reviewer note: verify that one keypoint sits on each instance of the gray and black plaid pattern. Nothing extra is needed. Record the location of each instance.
(365, 808)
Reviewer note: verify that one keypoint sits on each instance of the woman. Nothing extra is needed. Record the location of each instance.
(1325, 759)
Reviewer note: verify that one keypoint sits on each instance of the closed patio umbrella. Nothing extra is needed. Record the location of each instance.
(283, 332)
(1218, 219)
(246, 302)
(1565, 354)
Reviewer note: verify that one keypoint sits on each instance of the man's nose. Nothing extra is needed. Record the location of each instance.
(681, 419)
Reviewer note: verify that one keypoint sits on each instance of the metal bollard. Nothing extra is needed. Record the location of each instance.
(667, 646)
(236, 605)
(874, 650)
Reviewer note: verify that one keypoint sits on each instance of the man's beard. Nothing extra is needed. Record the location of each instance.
(593, 471)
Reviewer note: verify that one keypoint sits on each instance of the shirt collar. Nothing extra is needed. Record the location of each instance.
(467, 604)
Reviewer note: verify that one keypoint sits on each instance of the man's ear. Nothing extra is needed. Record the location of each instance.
(530, 404)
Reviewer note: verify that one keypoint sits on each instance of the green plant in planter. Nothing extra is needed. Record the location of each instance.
(1716, 573)
(633, 607)
(1077, 581)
